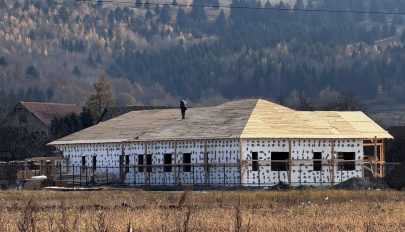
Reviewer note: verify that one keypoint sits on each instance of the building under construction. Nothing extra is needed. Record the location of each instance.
(244, 142)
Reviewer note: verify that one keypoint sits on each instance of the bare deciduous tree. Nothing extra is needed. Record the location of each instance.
(101, 98)
(304, 102)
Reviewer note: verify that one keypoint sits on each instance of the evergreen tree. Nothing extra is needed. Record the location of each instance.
(215, 3)
(147, 5)
(3, 4)
(64, 14)
(181, 18)
(32, 72)
(398, 20)
(86, 118)
(267, 4)
(76, 71)
(3, 61)
(393, 29)
(99, 3)
(299, 4)
(157, 9)
(198, 13)
(148, 15)
(403, 37)
(165, 14)
(310, 5)
(49, 93)
(221, 19)
(138, 3)
(71, 123)
(90, 60)
(99, 60)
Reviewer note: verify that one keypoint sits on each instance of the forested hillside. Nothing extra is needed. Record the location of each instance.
(158, 53)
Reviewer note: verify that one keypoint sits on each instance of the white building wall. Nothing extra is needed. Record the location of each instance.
(264, 148)
(157, 149)
(107, 157)
(223, 152)
(226, 153)
(302, 169)
(350, 145)
(133, 150)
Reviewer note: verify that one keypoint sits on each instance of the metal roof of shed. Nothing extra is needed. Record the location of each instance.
(253, 118)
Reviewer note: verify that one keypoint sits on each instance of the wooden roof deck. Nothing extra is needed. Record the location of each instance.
(236, 119)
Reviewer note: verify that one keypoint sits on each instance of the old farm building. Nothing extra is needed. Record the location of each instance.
(27, 128)
(244, 142)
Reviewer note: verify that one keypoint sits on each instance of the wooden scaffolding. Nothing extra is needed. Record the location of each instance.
(374, 161)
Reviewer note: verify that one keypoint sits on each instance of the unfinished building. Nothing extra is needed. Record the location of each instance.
(244, 142)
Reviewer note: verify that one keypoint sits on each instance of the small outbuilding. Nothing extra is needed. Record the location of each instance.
(244, 142)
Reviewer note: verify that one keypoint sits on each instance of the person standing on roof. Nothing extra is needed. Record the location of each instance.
(183, 108)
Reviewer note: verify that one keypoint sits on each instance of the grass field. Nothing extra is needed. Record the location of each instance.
(115, 210)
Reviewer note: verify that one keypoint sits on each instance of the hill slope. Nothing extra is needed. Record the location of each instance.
(51, 50)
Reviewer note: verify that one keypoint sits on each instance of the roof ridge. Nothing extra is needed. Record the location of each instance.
(250, 116)
(48, 103)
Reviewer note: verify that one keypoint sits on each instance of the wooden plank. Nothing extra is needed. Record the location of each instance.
(146, 173)
(122, 164)
(175, 169)
(372, 145)
(289, 161)
(375, 157)
(382, 160)
(206, 171)
(333, 162)
(240, 162)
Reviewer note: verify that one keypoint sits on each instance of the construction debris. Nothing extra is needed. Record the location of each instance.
(358, 183)
(280, 186)
(42, 177)
(54, 188)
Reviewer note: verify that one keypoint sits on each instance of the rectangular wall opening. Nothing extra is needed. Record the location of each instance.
(83, 163)
(279, 161)
(186, 162)
(149, 162)
(140, 163)
(255, 161)
(167, 161)
(368, 151)
(347, 161)
(126, 163)
(94, 163)
(317, 163)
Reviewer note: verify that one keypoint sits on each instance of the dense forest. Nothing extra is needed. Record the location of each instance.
(158, 53)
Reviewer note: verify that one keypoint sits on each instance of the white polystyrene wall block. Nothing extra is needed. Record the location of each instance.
(301, 156)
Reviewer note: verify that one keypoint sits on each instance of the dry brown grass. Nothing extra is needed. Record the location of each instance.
(119, 210)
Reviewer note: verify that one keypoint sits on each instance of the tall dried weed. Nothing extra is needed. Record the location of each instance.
(27, 221)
